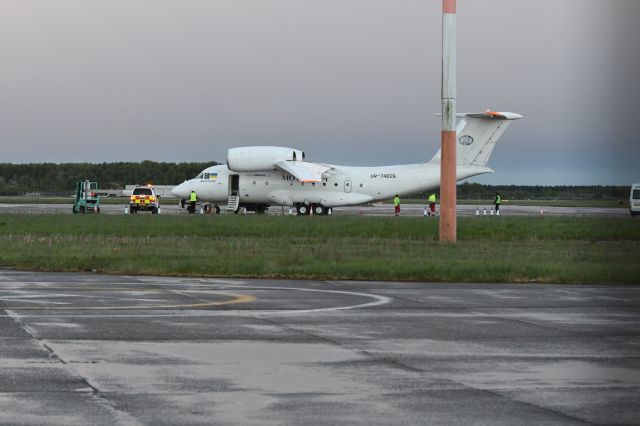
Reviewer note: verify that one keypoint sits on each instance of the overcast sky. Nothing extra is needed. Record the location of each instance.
(354, 82)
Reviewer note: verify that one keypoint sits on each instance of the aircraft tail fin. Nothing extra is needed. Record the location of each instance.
(477, 134)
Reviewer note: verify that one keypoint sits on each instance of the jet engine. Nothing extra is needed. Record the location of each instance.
(260, 158)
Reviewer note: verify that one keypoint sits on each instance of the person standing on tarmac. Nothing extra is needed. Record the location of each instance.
(432, 205)
(497, 202)
(192, 201)
(396, 205)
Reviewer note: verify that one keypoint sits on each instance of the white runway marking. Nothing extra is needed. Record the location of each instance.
(378, 300)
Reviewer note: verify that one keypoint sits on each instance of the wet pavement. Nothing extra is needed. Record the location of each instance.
(80, 349)
(408, 210)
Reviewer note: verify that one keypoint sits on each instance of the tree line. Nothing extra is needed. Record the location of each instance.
(17, 179)
(473, 191)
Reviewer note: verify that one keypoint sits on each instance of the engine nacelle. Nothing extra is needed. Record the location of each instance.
(260, 158)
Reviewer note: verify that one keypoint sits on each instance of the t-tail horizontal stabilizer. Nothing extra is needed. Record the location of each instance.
(477, 134)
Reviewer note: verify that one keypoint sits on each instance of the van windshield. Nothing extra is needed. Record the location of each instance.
(636, 194)
(142, 191)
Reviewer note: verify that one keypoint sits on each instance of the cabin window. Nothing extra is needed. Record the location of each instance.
(360, 185)
(313, 184)
(324, 183)
(335, 184)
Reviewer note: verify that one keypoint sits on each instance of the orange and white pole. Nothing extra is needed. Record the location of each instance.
(448, 227)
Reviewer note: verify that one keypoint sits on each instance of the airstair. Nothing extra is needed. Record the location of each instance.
(233, 203)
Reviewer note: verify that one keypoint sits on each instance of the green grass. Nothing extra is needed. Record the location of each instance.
(562, 250)
(487, 202)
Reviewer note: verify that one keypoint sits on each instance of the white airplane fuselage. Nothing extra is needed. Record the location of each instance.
(261, 176)
(346, 186)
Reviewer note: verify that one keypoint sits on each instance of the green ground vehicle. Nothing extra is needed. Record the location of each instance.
(86, 200)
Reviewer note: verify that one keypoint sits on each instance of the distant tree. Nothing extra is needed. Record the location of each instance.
(50, 177)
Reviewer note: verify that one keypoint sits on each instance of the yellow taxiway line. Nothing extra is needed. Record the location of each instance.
(236, 298)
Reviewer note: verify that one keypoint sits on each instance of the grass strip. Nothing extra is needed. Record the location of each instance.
(559, 250)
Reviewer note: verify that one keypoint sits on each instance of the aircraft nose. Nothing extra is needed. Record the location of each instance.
(182, 190)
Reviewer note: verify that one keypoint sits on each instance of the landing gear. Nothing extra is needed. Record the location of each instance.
(316, 209)
(211, 209)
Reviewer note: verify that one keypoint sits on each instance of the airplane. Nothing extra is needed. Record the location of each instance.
(257, 177)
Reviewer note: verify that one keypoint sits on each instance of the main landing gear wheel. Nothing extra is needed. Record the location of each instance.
(319, 210)
(302, 209)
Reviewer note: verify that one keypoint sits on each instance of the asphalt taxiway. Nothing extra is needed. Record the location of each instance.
(104, 350)
(408, 210)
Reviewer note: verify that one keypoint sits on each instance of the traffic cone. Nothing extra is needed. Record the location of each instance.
(477, 211)
(330, 212)
(498, 213)
(126, 209)
(158, 210)
(290, 210)
(541, 212)
(491, 212)
(425, 212)
(484, 211)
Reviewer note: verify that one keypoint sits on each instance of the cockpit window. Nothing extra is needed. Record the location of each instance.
(200, 176)
(636, 194)
(206, 175)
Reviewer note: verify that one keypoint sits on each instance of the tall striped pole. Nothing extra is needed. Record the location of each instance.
(448, 149)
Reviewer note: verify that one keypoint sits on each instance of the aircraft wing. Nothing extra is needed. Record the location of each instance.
(303, 171)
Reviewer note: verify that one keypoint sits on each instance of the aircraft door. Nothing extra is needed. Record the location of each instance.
(347, 185)
(234, 184)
